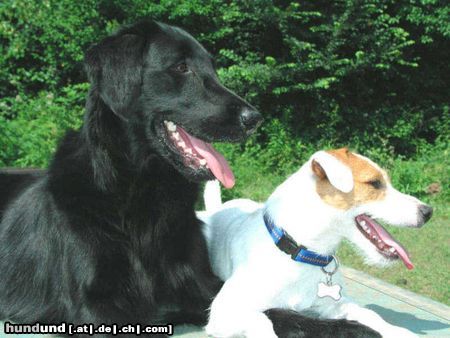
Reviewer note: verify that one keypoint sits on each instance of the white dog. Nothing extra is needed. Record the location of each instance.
(280, 253)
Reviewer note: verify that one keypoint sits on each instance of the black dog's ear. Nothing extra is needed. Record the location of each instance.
(114, 68)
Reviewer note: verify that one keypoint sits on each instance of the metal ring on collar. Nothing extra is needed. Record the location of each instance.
(336, 266)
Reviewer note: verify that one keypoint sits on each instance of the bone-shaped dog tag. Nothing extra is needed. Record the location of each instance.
(325, 290)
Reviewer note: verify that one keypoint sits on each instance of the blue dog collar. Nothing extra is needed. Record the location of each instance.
(288, 245)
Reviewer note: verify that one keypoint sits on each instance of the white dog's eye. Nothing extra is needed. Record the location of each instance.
(376, 184)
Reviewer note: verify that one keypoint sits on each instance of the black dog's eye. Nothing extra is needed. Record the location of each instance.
(376, 184)
(181, 68)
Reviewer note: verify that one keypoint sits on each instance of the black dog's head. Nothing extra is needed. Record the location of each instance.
(160, 80)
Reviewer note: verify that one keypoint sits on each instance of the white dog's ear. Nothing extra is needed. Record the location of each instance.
(326, 166)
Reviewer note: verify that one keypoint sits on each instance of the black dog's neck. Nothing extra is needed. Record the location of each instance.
(109, 158)
(119, 148)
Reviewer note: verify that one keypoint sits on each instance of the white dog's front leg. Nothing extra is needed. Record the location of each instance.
(227, 321)
(352, 311)
(234, 314)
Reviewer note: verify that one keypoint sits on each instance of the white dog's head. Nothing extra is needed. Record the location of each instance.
(361, 193)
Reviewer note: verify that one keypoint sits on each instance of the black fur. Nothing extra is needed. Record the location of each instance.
(13, 181)
(108, 234)
(288, 324)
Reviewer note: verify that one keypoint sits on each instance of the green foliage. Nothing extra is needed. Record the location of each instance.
(431, 167)
(372, 75)
(42, 43)
(30, 129)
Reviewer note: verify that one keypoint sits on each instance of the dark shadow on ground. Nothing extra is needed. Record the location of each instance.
(407, 320)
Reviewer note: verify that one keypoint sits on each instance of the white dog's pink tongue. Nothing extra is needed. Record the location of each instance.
(388, 239)
(216, 162)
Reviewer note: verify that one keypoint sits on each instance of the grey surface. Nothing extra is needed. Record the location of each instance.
(397, 306)
(421, 315)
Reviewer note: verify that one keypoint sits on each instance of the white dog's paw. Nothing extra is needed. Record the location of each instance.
(217, 331)
(259, 326)
(254, 325)
(397, 332)
(221, 329)
(260, 333)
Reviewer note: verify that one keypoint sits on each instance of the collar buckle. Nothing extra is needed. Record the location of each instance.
(288, 245)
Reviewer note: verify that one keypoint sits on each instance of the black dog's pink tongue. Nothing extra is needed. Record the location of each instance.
(216, 162)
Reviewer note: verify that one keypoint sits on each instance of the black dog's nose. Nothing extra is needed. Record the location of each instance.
(426, 212)
(250, 119)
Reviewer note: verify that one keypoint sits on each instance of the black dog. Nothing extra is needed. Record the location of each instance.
(108, 234)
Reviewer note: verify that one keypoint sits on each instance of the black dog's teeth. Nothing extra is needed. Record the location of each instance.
(191, 157)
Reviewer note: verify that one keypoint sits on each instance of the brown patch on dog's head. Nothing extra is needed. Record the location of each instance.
(369, 181)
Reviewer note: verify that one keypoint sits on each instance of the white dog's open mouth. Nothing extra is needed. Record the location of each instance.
(198, 154)
(382, 240)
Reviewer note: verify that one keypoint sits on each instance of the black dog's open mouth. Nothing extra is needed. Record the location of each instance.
(198, 155)
(382, 240)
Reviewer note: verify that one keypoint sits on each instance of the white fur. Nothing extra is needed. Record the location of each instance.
(259, 276)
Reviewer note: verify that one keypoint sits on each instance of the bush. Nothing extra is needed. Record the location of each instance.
(30, 128)
(368, 74)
